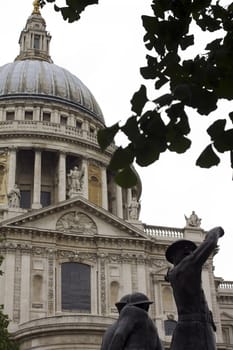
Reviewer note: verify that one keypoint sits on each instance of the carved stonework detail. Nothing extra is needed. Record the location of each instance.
(158, 263)
(103, 286)
(50, 285)
(77, 256)
(134, 277)
(77, 222)
(17, 286)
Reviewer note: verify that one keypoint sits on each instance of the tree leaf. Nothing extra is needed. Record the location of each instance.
(208, 158)
(148, 152)
(224, 141)
(121, 158)
(106, 136)
(130, 129)
(139, 100)
(231, 116)
(164, 100)
(217, 128)
(180, 144)
(126, 178)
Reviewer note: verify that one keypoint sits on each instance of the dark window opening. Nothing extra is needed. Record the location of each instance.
(63, 120)
(37, 42)
(78, 124)
(45, 198)
(25, 200)
(28, 115)
(10, 115)
(46, 117)
(76, 289)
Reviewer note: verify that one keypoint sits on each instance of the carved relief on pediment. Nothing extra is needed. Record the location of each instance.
(77, 222)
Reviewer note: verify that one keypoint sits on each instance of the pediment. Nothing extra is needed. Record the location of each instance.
(76, 216)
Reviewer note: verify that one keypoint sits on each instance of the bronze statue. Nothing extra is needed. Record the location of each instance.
(195, 327)
(111, 329)
(134, 328)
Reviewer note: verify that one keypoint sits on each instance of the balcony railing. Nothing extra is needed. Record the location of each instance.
(163, 232)
(226, 285)
(48, 128)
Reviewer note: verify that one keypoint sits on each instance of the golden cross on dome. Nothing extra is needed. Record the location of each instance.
(36, 9)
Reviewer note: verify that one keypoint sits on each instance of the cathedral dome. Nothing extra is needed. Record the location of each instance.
(42, 79)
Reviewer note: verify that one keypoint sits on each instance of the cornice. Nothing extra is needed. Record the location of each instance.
(62, 138)
(75, 254)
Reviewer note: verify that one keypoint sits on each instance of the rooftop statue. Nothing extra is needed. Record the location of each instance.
(195, 327)
(193, 220)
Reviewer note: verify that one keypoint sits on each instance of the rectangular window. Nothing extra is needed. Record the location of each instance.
(92, 130)
(28, 115)
(63, 120)
(78, 124)
(10, 115)
(45, 198)
(36, 41)
(76, 288)
(46, 117)
(25, 200)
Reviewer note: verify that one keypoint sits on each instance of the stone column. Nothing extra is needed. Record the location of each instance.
(104, 189)
(37, 181)
(19, 113)
(84, 164)
(62, 177)
(25, 302)
(12, 169)
(36, 115)
(9, 276)
(1, 114)
(129, 200)
(119, 202)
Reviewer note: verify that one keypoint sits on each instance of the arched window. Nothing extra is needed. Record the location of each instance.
(76, 287)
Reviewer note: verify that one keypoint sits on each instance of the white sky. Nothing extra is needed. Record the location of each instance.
(105, 50)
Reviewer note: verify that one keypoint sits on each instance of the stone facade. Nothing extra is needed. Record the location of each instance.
(70, 254)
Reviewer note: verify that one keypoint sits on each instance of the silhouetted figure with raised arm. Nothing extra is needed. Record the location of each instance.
(195, 327)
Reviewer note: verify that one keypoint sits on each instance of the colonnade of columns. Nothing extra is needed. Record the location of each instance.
(62, 180)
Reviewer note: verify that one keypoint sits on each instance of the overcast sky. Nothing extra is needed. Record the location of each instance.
(105, 50)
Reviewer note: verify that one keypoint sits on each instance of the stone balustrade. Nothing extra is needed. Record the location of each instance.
(48, 128)
(226, 285)
(163, 232)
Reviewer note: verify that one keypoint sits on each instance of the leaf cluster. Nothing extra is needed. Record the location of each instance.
(71, 12)
(199, 82)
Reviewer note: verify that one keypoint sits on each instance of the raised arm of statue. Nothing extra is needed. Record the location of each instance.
(201, 254)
